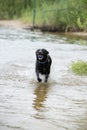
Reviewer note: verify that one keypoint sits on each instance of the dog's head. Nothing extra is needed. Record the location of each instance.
(41, 54)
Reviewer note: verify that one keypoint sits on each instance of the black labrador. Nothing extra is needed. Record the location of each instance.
(43, 64)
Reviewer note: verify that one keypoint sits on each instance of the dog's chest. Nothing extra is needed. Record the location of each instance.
(42, 68)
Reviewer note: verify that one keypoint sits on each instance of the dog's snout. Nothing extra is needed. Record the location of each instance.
(40, 53)
(40, 57)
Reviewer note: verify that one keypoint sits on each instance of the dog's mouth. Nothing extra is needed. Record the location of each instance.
(40, 57)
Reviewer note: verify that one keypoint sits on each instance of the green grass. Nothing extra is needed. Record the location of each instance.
(27, 16)
(49, 14)
(65, 15)
(83, 42)
(61, 14)
(79, 67)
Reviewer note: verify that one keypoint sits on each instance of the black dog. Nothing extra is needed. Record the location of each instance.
(43, 64)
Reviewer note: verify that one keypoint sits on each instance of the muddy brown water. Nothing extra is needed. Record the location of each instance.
(60, 104)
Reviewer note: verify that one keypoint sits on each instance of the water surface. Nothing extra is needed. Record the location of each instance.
(60, 104)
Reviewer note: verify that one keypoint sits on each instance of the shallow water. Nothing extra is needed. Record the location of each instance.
(60, 104)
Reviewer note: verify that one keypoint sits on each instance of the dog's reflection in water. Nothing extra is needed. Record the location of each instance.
(41, 95)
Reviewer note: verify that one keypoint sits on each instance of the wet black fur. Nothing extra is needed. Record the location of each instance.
(43, 65)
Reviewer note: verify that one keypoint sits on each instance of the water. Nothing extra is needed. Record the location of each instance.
(60, 104)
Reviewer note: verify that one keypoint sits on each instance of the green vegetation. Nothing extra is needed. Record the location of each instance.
(79, 67)
(13, 8)
(62, 15)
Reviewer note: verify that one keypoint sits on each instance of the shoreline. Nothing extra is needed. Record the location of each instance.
(19, 24)
(14, 23)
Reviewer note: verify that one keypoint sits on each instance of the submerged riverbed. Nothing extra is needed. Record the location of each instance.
(60, 104)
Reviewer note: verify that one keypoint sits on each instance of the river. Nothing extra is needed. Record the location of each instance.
(25, 104)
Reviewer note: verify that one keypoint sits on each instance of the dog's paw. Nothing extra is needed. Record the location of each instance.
(39, 80)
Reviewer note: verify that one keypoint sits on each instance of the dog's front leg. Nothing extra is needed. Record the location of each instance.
(38, 78)
(46, 77)
(37, 73)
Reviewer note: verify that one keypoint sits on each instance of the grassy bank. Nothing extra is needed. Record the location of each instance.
(69, 15)
(51, 15)
(79, 67)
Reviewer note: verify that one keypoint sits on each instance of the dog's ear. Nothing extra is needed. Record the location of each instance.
(45, 51)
